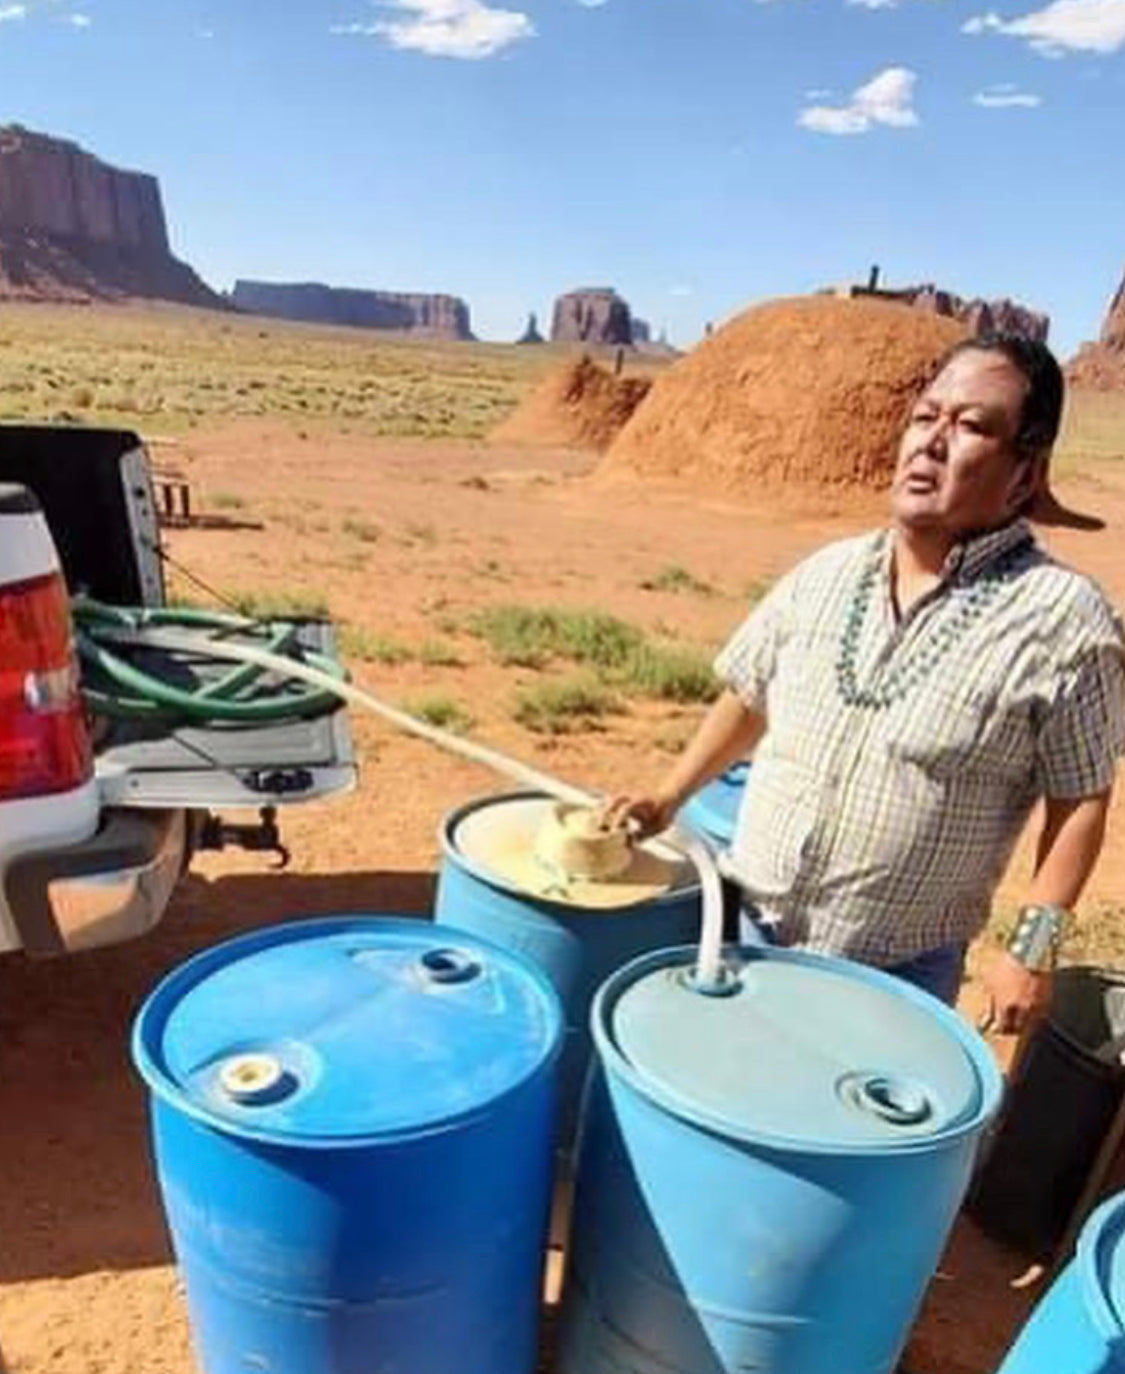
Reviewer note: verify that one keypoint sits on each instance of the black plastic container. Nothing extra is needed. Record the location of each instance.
(1058, 1109)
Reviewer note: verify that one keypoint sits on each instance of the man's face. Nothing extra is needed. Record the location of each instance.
(958, 469)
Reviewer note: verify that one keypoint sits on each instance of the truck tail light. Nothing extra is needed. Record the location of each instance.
(44, 741)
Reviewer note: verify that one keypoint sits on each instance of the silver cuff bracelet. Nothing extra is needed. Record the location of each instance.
(1038, 935)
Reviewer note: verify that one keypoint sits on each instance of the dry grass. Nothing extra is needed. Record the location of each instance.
(169, 368)
(367, 646)
(281, 605)
(564, 706)
(674, 578)
(444, 712)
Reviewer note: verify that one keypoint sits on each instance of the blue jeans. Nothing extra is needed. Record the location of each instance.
(936, 971)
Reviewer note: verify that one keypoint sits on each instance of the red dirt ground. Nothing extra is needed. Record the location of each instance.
(86, 1286)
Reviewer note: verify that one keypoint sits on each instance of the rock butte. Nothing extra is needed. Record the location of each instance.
(434, 315)
(594, 315)
(73, 228)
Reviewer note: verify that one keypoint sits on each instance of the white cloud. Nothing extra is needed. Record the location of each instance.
(10, 13)
(205, 33)
(682, 290)
(592, 4)
(446, 28)
(885, 99)
(1005, 97)
(875, 4)
(1062, 27)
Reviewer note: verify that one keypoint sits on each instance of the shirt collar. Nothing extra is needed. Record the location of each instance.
(974, 554)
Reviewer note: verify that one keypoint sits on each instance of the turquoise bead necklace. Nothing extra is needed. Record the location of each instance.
(892, 686)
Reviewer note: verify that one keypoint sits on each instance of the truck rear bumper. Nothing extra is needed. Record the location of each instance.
(108, 888)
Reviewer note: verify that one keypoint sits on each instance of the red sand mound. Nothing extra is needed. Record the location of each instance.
(579, 406)
(811, 391)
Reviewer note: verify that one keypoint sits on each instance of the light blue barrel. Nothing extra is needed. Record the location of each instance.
(353, 1123)
(766, 1178)
(1078, 1328)
(576, 948)
(712, 813)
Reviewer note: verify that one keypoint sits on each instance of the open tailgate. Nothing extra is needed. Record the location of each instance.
(153, 764)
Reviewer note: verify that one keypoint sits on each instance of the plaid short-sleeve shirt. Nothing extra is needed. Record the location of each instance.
(902, 756)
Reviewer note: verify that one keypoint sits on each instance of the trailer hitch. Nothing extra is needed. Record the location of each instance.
(260, 837)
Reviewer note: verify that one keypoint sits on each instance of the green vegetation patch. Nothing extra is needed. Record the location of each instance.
(178, 369)
(370, 647)
(674, 578)
(620, 655)
(531, 637)
(281, 605)
(566, 705)
(444, 712)
(670, 672)
(439, 653)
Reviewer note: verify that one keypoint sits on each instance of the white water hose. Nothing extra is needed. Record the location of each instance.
(709, 973)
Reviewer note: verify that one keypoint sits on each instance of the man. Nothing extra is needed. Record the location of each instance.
(912, 693)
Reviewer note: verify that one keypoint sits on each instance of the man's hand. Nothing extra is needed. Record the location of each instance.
(728, 731)
(644, 816)
(1016, 995)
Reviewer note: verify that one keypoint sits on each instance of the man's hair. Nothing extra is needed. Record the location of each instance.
(1041, 413)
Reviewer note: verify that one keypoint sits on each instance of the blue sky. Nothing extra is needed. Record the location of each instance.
(698, 155)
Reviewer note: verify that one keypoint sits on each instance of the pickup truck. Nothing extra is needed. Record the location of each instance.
(99, 817)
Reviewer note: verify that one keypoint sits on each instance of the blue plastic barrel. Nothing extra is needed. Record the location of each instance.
(766, 1178)
(353, 1124)
(712, 813)
(576, 948)
(1078, 1327)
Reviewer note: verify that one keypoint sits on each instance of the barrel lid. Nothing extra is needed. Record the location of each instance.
(1101, 1260)
(492, 837)
(713, 811)
(346, 1030)
(798, 1049)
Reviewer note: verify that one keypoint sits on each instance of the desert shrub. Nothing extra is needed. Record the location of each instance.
(441, 711)
(365, 530)
(370, 647)
(561, 706)
(270, 605)
(439, 653)
(531, 636)
(674, 578)
(669, 673)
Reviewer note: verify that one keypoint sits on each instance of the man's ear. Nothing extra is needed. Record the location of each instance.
(1029, 482)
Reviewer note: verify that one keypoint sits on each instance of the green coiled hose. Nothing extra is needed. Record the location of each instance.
(116, 687)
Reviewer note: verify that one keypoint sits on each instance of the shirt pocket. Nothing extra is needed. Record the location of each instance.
(954, 732)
